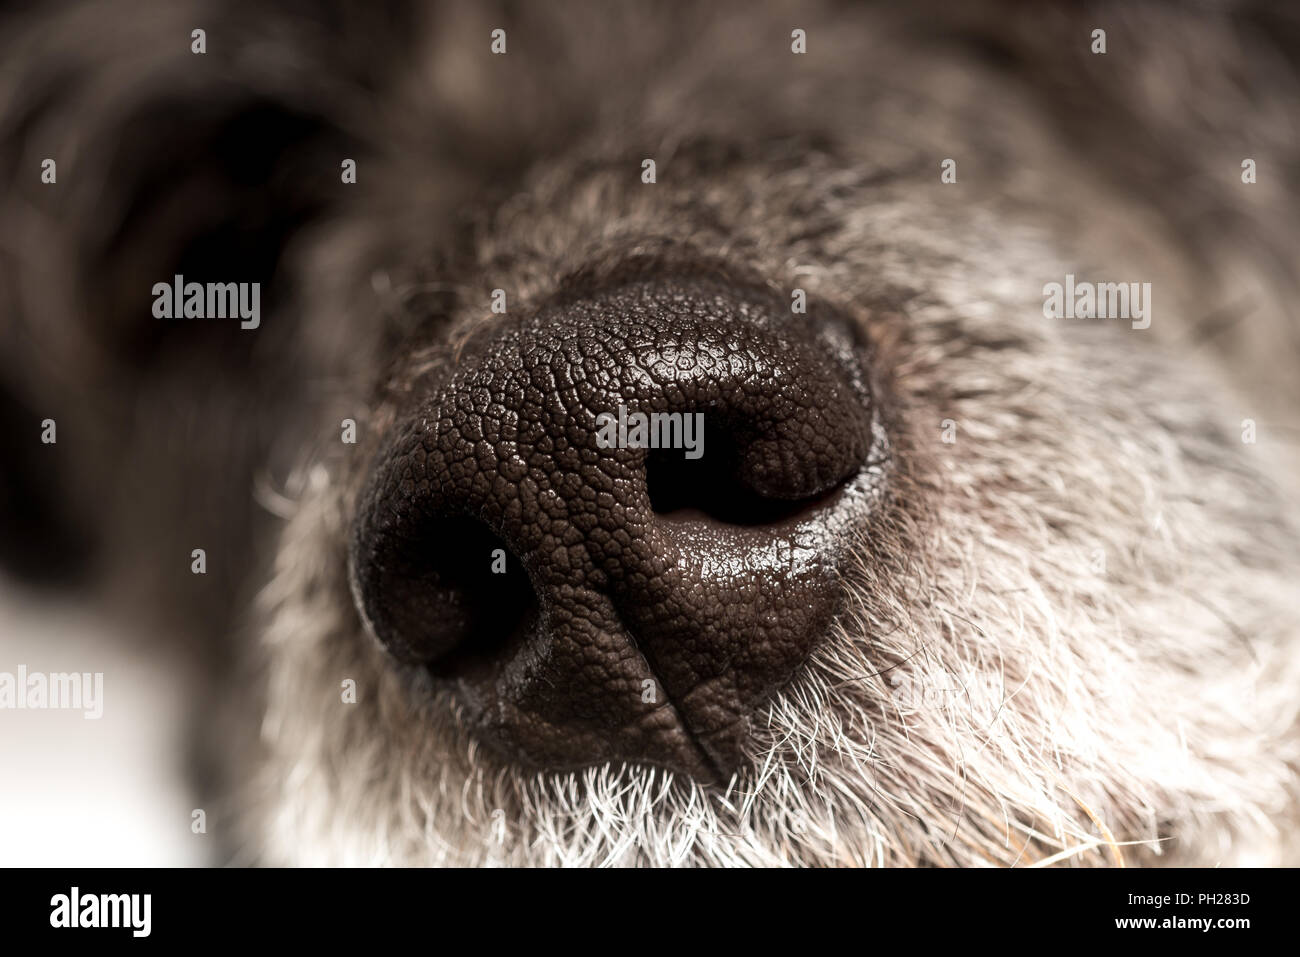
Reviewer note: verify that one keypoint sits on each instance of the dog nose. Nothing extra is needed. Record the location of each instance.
(618, 524)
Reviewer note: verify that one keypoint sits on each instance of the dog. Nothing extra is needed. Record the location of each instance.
(1047, 610)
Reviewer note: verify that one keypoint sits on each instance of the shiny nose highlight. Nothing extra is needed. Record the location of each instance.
(618, 524)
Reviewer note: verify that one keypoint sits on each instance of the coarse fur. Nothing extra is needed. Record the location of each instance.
(1071, 635)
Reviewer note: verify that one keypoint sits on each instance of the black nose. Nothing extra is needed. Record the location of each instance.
(618, 524)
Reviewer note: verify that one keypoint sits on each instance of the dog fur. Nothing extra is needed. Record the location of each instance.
(1096, 581)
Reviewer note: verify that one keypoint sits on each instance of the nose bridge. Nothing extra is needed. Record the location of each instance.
(521, 455)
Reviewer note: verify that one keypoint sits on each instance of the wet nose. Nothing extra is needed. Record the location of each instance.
(619, 523)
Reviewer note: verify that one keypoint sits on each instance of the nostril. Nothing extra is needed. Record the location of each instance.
(451, 595)
(714, 485)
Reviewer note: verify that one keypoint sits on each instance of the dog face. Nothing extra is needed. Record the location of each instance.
(965, 320)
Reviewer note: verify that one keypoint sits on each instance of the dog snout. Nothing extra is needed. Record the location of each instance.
(619, 523)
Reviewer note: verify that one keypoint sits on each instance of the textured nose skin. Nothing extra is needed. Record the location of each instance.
(590, 602)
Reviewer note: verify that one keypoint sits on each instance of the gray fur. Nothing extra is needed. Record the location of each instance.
(1144, 711)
